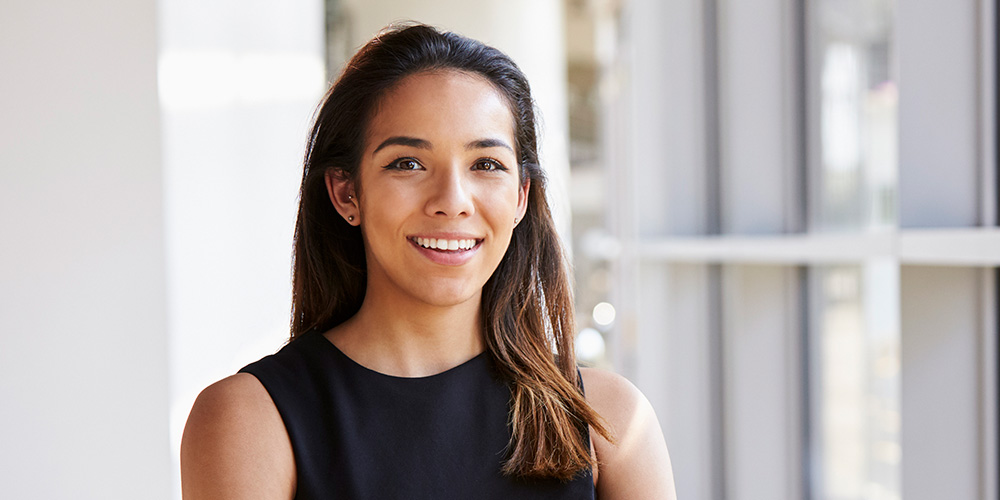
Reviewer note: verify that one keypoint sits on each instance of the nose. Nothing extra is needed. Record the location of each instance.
(450, 196)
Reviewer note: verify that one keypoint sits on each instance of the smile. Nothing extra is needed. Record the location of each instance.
(445, 244)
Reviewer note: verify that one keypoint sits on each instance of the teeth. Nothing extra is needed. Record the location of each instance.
(436, 244)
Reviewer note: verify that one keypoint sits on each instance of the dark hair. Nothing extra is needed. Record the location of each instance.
(527, 304)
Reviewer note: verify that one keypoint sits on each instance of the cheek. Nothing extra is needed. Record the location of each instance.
(502, 211)
(503, 197)
(376, 206)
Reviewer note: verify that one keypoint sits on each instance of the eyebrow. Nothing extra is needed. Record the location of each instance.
(414, 142)
(488, 143)
(400, 140)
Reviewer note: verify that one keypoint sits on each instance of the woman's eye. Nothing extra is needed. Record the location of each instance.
(489, 165)
(404, 164)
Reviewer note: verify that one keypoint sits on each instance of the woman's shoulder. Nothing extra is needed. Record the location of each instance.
(635, 464)
(235, 443)
(232, 396)
(622, 406)
(611, 390)
(617, 400)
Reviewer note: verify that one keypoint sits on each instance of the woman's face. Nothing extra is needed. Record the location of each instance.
(439, 188)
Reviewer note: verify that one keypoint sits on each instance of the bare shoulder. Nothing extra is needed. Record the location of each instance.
(235, 444)
(610, 393)
(636, 463)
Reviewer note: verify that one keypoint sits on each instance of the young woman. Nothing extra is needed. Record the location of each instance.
(432, 321)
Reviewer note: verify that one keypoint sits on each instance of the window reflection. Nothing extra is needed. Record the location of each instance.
(857, 110)
(856, 409)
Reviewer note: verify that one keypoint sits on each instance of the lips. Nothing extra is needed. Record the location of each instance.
(453, 250)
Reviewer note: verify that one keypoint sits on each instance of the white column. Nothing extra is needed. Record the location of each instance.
(83, 336)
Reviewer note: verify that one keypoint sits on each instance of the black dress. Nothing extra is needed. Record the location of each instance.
(360, 434)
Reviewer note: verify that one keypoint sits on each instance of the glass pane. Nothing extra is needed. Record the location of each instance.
(588, 49)
(853, 73)
(855, 383)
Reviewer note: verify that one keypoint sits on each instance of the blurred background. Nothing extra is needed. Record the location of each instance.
(781, 214)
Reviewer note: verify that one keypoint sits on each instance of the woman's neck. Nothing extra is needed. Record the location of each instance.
(408, 338)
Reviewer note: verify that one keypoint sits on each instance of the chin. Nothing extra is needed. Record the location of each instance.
(450, 300)
(441, 295)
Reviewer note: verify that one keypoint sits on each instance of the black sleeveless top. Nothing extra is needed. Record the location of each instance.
(360, 434)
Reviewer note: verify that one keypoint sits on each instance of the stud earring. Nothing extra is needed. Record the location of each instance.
(515, 221)
(350, 218)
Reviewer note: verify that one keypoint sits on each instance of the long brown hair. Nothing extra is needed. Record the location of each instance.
(527, 304)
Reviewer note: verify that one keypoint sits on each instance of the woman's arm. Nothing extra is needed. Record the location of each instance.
(235, 445)
(637, 464)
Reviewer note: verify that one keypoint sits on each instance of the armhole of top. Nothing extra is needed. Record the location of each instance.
(590, 434)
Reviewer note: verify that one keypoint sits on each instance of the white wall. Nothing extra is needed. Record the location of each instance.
(83, 335)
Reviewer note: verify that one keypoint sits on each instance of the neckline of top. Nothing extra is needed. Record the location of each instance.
(320, 338)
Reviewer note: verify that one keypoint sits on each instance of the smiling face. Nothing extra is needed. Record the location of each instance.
(438, 189)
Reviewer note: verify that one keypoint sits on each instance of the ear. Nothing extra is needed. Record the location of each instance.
(522, 200)
(341, 192)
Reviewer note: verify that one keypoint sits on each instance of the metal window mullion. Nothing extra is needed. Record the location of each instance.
(716, 381)
(986, 83)
(796, 74)
(713, 174)
(802, 300)
(988, 381)
(813, 362)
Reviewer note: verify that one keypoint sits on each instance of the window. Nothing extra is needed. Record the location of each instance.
(802, 208)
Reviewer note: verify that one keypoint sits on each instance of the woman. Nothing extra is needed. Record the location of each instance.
(431, 352)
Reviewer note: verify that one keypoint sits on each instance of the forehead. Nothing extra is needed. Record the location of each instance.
(440, 106)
